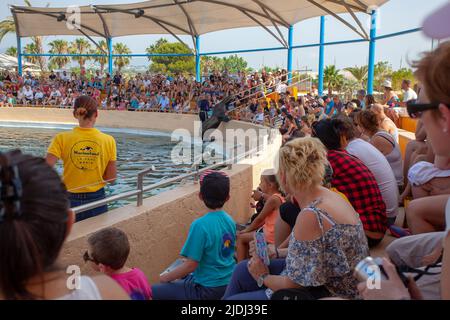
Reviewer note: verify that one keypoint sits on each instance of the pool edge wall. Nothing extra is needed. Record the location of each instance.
(157, 229)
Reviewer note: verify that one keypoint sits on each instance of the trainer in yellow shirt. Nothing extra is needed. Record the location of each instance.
(89, 158)
(86, 153)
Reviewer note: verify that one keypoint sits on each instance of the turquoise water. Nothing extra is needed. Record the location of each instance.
(136, 150)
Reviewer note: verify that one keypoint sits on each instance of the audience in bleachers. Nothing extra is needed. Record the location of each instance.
(340, 172)
(352, 177)
(432, 248)
(327, 242)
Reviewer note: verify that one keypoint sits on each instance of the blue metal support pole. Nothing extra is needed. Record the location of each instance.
(198, 71)
(371, 68)
(110, 56)
(321, 54)
(19, 56)
(289, 62)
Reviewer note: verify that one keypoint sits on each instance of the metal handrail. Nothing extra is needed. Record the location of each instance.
(139, 192)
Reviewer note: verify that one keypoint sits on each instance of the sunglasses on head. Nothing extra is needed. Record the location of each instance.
(87, 257)
(415, 110)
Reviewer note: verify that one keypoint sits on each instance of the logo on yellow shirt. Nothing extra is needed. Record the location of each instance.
(85, 155)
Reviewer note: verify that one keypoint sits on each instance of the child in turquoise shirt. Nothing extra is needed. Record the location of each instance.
(208, 251)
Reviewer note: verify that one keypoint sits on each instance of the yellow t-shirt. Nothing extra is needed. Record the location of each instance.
(343, 196)
(85, 153)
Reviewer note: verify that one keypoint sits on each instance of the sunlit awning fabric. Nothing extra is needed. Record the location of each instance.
(183, 17)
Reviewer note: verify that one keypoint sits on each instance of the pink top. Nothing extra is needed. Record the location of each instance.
(270, 221)
(135, 283)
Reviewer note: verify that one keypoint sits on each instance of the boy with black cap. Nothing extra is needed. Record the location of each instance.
(208, 251)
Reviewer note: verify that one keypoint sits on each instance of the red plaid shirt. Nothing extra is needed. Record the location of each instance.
(356, 181)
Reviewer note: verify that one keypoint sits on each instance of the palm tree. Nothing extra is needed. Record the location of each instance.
(59, 47)
(8, 26)
(11, 51)
(102, 60)
(120, 62)
(332, 77)
(80, 46)
(360, 74)
(31, 48)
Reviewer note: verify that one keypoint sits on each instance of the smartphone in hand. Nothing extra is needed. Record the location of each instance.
(261, 246)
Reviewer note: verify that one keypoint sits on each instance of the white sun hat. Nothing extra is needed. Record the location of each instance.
(387, 84)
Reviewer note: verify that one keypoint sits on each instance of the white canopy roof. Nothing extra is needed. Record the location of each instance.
(183, 17)
(8, 62)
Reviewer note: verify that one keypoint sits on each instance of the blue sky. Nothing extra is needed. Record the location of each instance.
(396, 15)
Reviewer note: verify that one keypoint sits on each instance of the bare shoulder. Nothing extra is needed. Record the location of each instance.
(307, 226)
(109, 289)
(275, 199)
(338, 208)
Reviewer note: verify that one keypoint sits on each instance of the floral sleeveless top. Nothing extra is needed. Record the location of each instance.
(328, 260)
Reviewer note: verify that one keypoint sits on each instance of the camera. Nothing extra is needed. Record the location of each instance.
(368, 267)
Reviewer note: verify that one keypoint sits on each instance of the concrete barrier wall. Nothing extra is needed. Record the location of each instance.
(404, 138)
(107, 118)
(158, 229)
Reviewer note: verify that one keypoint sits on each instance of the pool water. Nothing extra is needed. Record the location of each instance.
(136, 150)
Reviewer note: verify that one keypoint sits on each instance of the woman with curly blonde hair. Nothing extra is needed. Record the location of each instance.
(326, 243)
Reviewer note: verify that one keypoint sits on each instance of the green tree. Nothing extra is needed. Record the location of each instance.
(59, 47)
(400, 75)
(382, 72)
(270, 69)
(171, 65)
(332, 78)
(360, 75)
(101, 60)
(80, 46)
(211, 64)
(233, 64)
(11, 51)
(120, 62)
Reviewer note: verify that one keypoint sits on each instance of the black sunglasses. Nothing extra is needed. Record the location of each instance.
(87, 257)
(415, 110)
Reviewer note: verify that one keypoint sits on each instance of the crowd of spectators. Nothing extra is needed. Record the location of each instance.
(335, 195)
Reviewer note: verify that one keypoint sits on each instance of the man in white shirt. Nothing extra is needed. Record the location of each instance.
(38, 96)
(281, 87)
(164, 102)
(408, 93)
(65, 76)
(147, 82)
(28, 94)
(55, 96)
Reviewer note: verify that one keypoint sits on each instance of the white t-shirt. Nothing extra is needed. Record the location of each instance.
(382, 171)
(259, 117)
(39, 95)
(281, 88)
(55, 94)
(28, 93)
(409, 94)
